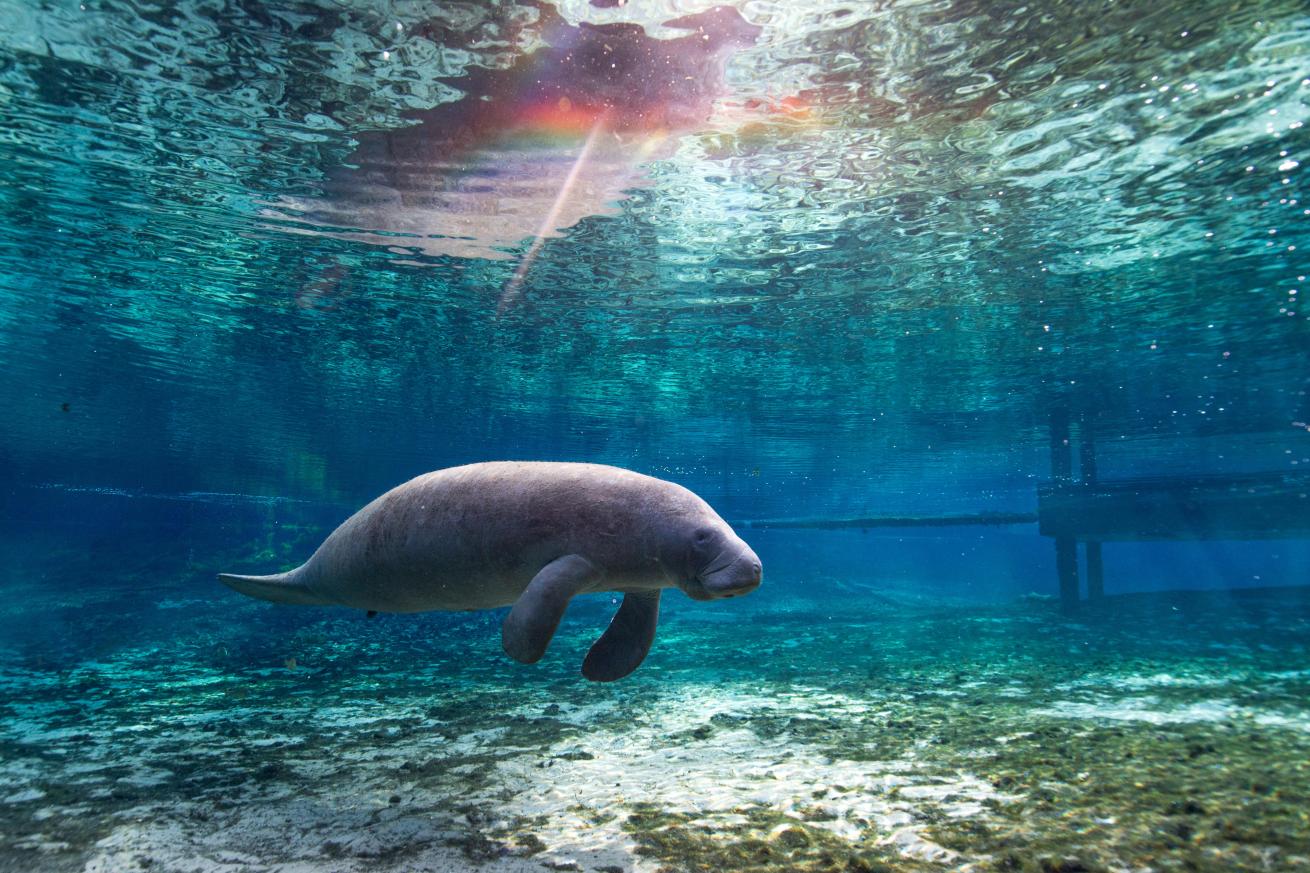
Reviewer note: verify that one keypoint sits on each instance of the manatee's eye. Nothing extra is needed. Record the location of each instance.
(703, 536)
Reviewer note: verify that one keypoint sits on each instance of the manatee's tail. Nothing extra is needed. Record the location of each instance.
(288, 587)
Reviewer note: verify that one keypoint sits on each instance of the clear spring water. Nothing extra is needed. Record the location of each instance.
(866, 269)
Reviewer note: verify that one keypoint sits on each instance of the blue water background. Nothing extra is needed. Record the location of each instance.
(870, 308)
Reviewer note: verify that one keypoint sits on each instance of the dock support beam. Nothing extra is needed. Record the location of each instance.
(1066, 569)
(1066, 548)
(1095, 571)
(1087, 474)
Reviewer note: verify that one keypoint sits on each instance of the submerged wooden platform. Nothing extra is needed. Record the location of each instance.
(1235, 506)
(1088, 511)
(1084, 509)
(1206, 507)
(1244, 507)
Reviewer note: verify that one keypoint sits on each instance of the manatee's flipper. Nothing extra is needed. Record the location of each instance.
(286, 587)
(535, 615)
(626, 641)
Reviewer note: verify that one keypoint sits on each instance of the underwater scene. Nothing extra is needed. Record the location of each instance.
(685, 435)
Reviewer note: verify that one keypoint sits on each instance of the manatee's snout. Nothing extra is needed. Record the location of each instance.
(739, 575)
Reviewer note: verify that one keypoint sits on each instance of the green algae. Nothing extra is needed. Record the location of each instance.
(1195, 797)
(765, 841)
(1076, 798)
(1072, 795)
(1013, 737)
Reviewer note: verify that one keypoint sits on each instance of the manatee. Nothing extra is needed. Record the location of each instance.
(531, 534)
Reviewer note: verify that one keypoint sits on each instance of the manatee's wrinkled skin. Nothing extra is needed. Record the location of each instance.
(532, 534)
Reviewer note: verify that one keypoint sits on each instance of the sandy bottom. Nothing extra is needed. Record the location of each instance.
(216, 734)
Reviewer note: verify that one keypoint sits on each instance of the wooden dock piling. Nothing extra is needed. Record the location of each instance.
(1066, 547)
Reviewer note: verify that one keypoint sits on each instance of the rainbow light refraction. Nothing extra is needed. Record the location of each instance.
(534, 148)
(548, 222)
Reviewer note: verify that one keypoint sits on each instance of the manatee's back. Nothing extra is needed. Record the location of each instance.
(472, 537)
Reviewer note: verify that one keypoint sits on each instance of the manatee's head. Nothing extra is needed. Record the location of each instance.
(717, 563)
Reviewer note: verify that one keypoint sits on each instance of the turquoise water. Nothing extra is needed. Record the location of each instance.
(981, 323)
